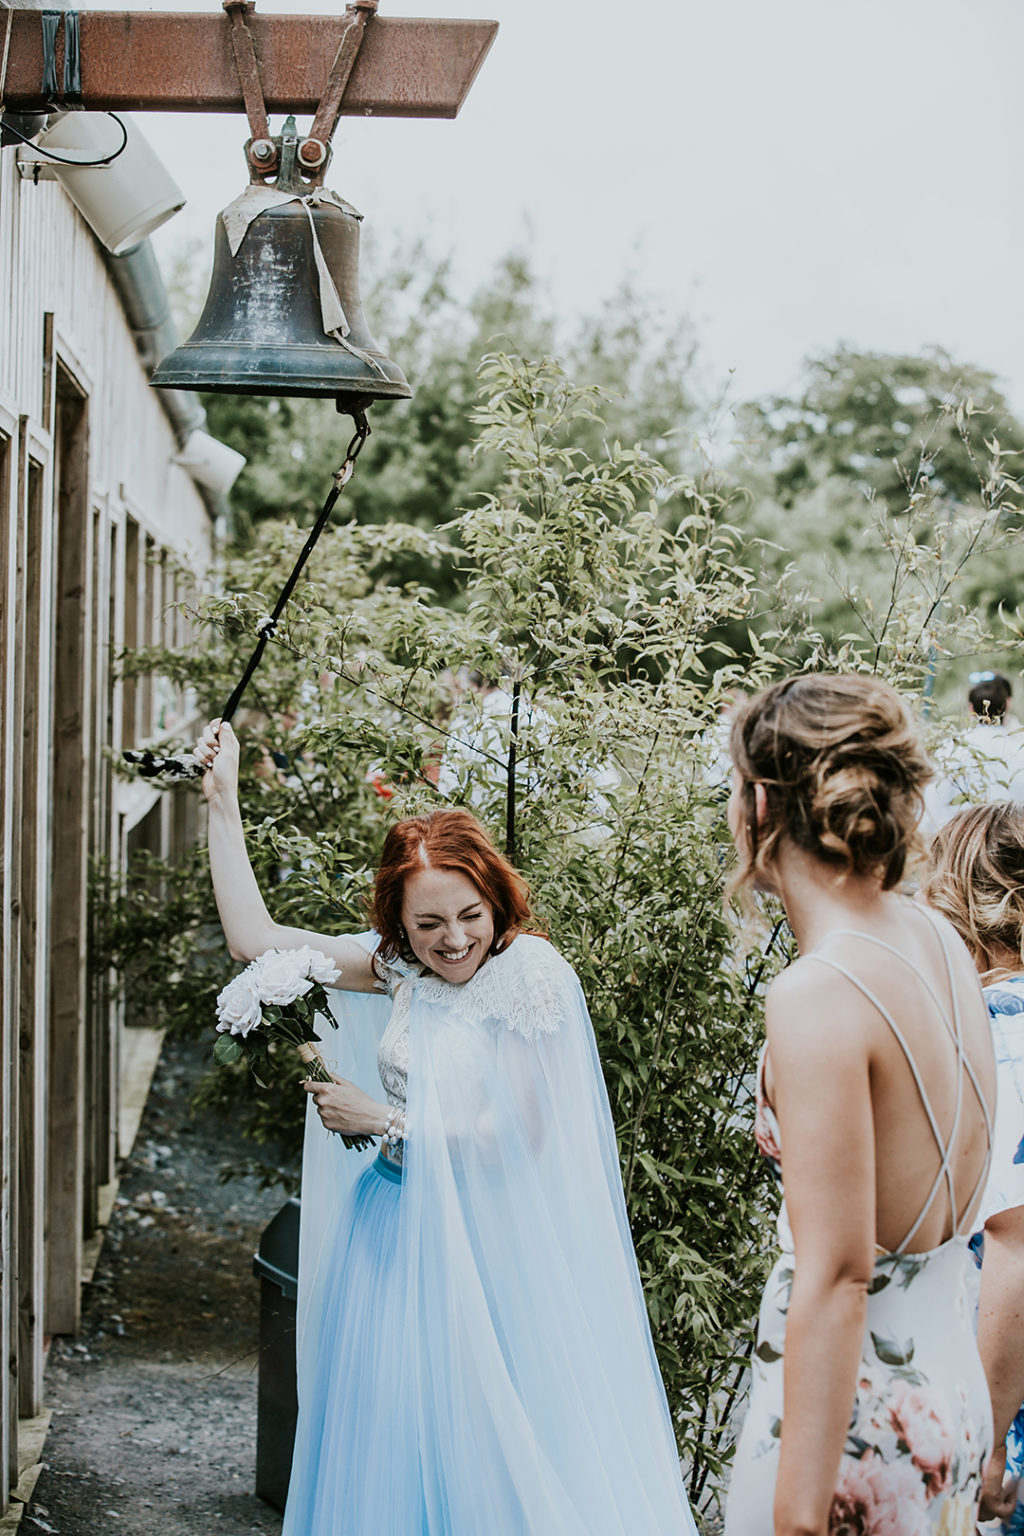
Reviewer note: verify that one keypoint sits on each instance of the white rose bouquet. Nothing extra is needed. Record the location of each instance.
(277, 997)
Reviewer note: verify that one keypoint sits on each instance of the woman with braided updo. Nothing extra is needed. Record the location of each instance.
(976, 879)
(869, 1410)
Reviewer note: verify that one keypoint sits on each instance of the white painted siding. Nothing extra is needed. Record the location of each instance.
(88, 490)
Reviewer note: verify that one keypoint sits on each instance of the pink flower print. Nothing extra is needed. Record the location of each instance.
(764, 1119)
(764, 1124)
(877, 1498)
(873, 1383)
(920, 1418)
(765, 1138)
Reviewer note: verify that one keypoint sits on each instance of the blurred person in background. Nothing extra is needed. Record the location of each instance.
(475, 760)
(987, 763)
(975, 878)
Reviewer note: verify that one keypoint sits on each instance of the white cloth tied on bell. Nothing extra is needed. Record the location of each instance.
(257, 199)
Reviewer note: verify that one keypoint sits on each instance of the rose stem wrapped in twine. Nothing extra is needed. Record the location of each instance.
(309, 1054)
(318, 1073)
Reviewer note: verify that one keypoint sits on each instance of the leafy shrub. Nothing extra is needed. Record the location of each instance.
(596, 604)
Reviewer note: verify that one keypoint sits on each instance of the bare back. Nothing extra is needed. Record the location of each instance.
(918, 1008)
(884, 1079)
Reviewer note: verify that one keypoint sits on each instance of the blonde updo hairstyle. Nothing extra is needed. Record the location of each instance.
(975, 877)
(843, 774)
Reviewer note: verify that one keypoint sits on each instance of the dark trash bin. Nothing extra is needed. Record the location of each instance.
(277, 1265)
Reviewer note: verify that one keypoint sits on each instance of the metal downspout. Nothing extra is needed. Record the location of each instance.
(140, 286)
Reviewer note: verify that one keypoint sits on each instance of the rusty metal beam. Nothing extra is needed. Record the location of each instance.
(162, 61)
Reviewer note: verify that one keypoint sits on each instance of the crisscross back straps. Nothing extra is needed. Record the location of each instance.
(939, 1005)
(955, 1030)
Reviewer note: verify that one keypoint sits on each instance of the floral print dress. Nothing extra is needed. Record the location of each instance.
(1005, 1188)
(920, 1429)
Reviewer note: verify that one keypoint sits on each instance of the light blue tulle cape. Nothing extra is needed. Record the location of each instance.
(474, 1351)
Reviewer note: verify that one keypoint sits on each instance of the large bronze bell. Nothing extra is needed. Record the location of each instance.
(283, 315)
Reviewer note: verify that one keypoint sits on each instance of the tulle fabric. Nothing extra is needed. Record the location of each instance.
(330, 1171)
(356, 1451)
(476, 1354)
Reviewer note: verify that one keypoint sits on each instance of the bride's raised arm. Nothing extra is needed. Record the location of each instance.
(248, 926)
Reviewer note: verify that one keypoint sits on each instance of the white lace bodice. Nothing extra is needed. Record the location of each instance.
(393, 1051)
(525, 986)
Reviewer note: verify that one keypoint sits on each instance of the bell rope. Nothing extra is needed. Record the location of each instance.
(177, 768)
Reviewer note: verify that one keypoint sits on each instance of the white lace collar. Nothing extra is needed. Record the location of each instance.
(528, 986)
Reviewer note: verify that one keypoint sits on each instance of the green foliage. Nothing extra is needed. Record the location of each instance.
(160, 933)
(424, 465)
(596, 584)
(879, 423)
(882, 467)
(591, 582)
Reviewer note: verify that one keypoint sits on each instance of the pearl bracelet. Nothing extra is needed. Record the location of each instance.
(394, 1130)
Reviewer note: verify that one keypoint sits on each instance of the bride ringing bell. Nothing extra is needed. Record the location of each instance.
(473, 1346)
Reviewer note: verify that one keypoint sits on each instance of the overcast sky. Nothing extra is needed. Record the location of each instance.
(790, 175)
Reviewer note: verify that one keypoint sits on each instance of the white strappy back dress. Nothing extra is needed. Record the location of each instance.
(920, 1429)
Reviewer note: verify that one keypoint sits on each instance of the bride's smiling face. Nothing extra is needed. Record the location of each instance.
(449, 925)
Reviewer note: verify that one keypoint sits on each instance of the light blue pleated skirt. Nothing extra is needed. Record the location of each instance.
(356, 1467)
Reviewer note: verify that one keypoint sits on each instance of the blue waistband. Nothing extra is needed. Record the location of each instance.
(387, 1170)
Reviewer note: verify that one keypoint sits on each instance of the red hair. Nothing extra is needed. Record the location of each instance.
(456, 841)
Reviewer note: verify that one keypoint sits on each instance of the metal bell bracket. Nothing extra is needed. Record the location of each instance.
(314, 151)
(180, 767)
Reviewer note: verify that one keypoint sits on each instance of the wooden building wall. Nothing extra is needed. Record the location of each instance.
(92, 508)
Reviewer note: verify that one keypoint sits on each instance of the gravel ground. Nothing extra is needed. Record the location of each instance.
(154, 1404)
